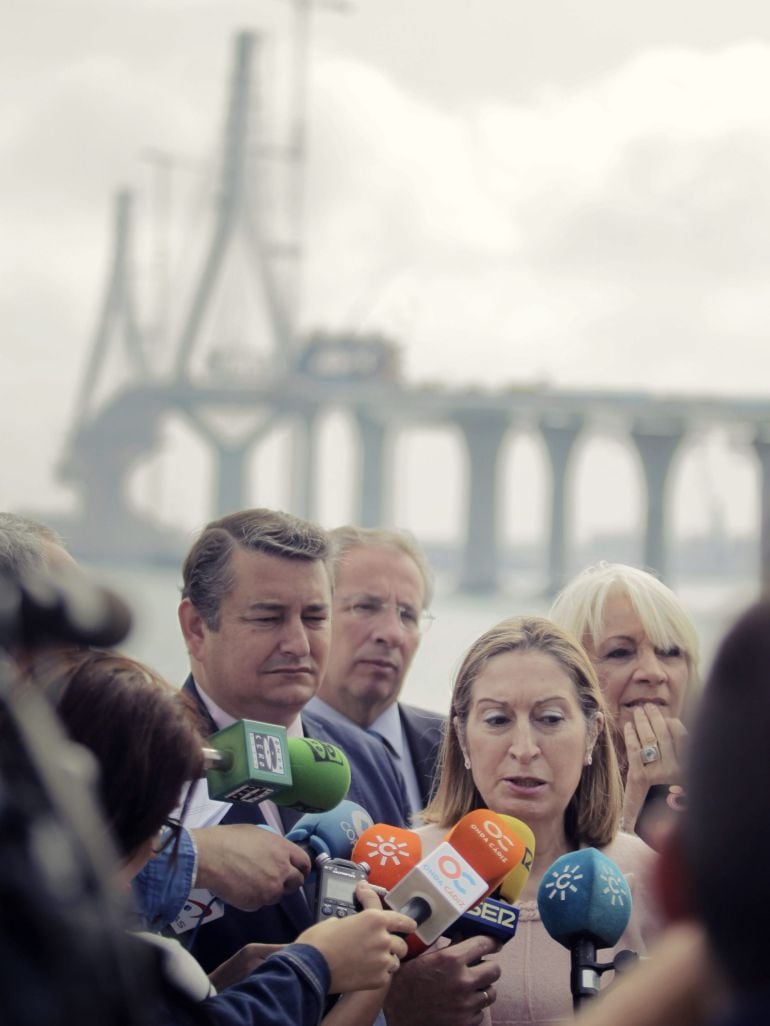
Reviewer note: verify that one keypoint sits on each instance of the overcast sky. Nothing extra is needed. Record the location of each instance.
(566, 192)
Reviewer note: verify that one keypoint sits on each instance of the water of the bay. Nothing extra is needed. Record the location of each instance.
(153, 593)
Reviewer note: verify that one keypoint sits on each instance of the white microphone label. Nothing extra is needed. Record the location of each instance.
(454, 877)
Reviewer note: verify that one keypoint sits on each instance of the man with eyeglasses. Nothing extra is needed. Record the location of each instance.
(383, 585)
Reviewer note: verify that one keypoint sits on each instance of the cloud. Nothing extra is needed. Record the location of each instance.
(583, 236)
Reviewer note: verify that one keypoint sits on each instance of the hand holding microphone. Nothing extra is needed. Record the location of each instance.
(334, 832)
(451, 985)
(247, 866)
(365, 950)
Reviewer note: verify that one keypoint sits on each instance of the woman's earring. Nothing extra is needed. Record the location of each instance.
(589, 759)
(467, 762)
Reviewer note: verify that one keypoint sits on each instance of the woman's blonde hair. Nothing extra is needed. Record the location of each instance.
(579, 608)
(593, 814)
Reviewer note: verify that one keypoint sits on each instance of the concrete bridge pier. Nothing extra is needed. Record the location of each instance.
(373, 461)
(560, 438)
(656, 442)
(230, 476)
(483, 432)
(304, 483)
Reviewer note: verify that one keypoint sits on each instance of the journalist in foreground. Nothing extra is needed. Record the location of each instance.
(146, 750)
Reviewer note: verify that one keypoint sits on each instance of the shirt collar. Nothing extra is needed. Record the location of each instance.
(388, 725)
(223, 719)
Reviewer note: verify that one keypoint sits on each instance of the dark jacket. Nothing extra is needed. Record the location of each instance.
(375, 784)
(424, 732)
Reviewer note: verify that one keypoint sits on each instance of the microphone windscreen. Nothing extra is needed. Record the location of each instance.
(331, 833)
(461, 871)
(584, 894)
(516, 880)
(63, 604)
(320, 776)
(390, 852)
(486, 841)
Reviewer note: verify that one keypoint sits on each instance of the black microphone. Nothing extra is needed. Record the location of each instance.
(60, 605)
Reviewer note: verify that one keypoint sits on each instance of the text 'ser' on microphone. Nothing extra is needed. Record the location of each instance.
(585, 903)
(499, 918)
(467, 866)
(248, 762)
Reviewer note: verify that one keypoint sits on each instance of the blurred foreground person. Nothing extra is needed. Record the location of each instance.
(65, 958)
(644, 647)
(146, 752)
(712, 968)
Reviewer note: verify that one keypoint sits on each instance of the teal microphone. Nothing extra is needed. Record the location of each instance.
(585, 903)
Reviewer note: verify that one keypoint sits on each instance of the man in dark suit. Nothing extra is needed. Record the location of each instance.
(255, 614)
(383, 588)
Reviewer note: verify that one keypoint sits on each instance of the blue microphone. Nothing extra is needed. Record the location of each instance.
(585, 904)
(490, 918)
(331, 833)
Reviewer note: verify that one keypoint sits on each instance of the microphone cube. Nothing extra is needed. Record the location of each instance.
(255, 762)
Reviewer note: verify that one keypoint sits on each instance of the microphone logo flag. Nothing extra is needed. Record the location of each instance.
(568, 878)
(266, 752)
(323, 751)
(454, 877)
(359, 820)
(385, 850)
(584, 895)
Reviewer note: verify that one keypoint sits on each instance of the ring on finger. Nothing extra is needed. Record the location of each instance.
(487, 999)
(396, 965)
(650, 753)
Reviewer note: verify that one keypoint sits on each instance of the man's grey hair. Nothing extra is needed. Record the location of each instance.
(349, 537)
(23, 543)
(207, 574)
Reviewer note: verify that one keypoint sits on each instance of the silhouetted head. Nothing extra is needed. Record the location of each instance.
(727, 826)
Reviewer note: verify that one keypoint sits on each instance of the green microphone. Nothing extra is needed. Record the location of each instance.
(321, 773)
(248, 762)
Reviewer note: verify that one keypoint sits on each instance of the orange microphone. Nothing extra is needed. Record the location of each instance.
(469, 864)
(390, 853)
(491, 842)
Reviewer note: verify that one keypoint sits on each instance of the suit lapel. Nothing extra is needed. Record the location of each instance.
(417, 751)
